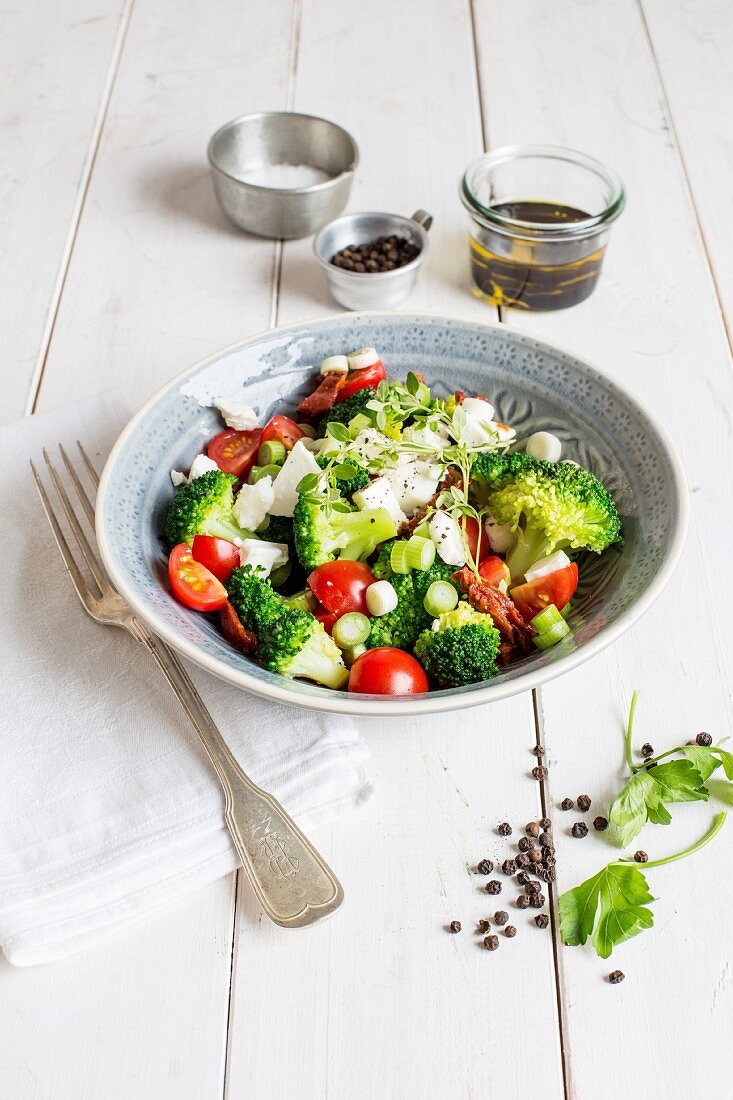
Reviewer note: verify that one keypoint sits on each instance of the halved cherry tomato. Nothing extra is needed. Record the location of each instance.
(493, 570)
(284, 429)
(557, 587)
(192, 583)
(471, 532)
(328, 618)
(218, 555)
(341, 585)
(234, 452)
(359, 380)
(387, 671)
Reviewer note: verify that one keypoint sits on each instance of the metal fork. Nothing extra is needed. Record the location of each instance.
(293, 883)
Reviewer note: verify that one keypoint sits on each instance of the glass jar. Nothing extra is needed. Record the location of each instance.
(540, 219)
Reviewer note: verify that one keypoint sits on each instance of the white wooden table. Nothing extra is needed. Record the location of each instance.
(117, 268)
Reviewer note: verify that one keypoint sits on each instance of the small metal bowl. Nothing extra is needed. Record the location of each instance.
(249, 143)
(371, 289)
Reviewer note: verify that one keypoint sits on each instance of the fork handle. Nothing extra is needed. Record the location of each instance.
(293, 883)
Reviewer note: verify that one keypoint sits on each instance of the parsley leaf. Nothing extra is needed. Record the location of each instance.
(643, 797)
(613, 902)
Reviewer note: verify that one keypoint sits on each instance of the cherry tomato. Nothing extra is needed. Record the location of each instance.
(387, 671)
(284, 429)
(328, 618)
(471, 532)
(218, 555)
(557, 587)
(234, 452)
(359, 380)
(341, 585)
(192, 583)
(493, 570)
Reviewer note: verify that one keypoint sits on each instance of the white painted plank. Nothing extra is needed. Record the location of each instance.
(653, 324)
(394, 1004)
(55, 63)
(693, 44)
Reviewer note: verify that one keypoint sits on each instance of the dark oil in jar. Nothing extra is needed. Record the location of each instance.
(516, 273)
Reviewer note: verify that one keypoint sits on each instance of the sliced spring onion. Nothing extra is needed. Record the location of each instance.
(398, 557)
(358, 423)
(381, 598)
(335, 364)
(420, 552)
(440, 597)
(548, 617)
(350, 630)
(280, 575)
(423, 530)
(351, 653)
(262, 471)
(308, 430)
(551, 637)
(303, 601)
(565, 611)
(271, 453)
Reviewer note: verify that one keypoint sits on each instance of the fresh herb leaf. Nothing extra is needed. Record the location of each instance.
(702, 759)
(339, 432)
(644, 796)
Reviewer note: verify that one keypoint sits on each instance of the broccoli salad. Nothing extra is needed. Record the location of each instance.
(383, 540)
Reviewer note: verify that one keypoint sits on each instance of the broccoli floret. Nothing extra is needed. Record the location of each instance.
(324, 530)
(204, 507)
(346, 410)
(347, 485)
(295, 644)
(277, 529)
(382, 567)
(463, 650)
(550, 505)
(402, 626)
(253, 598)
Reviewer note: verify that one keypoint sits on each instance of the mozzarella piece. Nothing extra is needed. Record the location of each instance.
(500, 536)
(477, 407)
(379, 494)
(476, 433)
(504, 432)
(363, 357)
(370, 443)
(544, 445)
(263, 556)
(335, 364)
(558, 560)
(178, 478)
(236, 414)
(201, 465)
(414, 483)
(448, 539)
(381, 598)
(253, 503)
(436, 440)
(299, 462)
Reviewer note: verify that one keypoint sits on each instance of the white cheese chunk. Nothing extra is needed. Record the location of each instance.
(558, 560)
(436, 440)
(236, 414)
(379, 494)
(299, 462)
(504, 432)
(201, 465)
(448, 539)
(263, 556)
(414, 483)
(476, 433)
(370, 443)
(253, 503)
(478, 408)
(500, 536)
(178, 478)
(544, 445)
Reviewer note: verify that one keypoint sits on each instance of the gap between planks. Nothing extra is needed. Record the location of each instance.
(34, 391)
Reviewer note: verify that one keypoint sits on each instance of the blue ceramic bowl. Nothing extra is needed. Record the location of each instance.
(533, 386)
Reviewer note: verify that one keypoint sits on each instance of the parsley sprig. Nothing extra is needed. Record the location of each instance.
(611, 906)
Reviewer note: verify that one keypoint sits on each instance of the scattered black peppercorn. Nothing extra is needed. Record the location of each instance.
(647, 750)
(504, 829)
(510, 931)
(579, 829)
(640, 856)
(500, 917)
(549, 874)
(583, 803)
(522, 902)
(542, 920)
(540, 772)
(549, 861)
(616, 976)
(535, 868)
(600, 823)
(523, 878)
(485, 867)
(483, 926)
(538, 750)
(532, 829)
(491, 943)
(548, 853)
(537, 901)
(524, 844)
(493, 886)
(535, 855)
(546, 840)
(509, 867)
(382, 254)
(567, 804)
(704, 739)
(532, 887)
(545, 823)
(522, 860)
(454, 926)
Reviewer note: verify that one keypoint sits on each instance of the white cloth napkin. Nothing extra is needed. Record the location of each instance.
(109, 808)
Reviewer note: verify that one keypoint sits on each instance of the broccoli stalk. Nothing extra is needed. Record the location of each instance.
(463, 650)
(204, 507)
(324, 530)
(550, 506)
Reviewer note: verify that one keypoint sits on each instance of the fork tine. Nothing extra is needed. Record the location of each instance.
(77, 579)
(88, 463)
(80, 490)
(82, 541)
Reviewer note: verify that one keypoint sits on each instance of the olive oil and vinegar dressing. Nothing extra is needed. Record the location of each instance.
(515, 273)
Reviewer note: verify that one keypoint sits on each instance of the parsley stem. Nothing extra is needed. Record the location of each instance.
(717, 825)
(629, 730)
